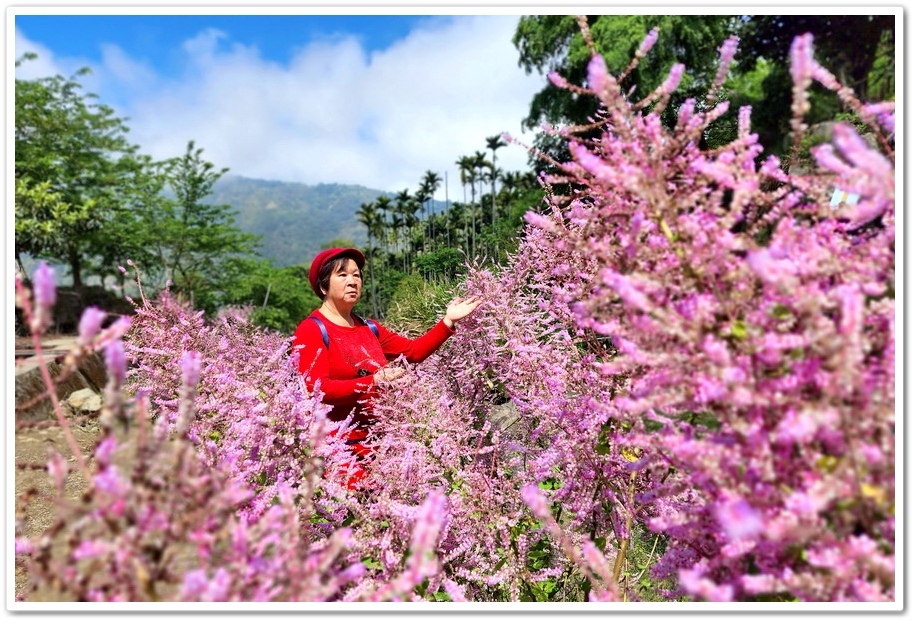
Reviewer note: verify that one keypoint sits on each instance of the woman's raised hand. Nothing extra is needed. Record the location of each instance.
(389, 374)
(459, 309)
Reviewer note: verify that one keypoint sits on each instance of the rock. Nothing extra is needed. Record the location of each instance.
(506, 418)
(32, 402)
(85, 401)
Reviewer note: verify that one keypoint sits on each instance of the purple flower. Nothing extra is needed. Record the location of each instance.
(105, 449)
(647, 43)
(90, 324)
(190, 368)
(24, 547)
(739, 519)
(91, 549)
(696, 584)
(110, 481)
(45, 288)
(115, 360)
(598, 78)
(771, 268)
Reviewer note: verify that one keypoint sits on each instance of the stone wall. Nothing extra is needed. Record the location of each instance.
(32, 401)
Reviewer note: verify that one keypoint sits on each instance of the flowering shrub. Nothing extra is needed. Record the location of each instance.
(206, 492)
(754, 332)
(690, 348)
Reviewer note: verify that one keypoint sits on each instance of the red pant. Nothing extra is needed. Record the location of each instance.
(359, 450)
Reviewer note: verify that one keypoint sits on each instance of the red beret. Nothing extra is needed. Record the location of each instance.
(326, 256)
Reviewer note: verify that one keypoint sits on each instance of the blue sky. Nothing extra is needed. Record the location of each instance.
(370, 99)
(154, 38)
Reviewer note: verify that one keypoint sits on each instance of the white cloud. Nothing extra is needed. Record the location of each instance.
(43, 65)
(334, 113)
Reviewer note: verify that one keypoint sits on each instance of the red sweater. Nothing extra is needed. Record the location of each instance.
(336, 371)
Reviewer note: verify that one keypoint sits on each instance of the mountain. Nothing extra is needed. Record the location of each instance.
(294, 220)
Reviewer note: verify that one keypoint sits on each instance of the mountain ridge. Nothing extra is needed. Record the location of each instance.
(295, 219)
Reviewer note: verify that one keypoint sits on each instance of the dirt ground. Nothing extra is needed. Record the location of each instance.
(33, 447)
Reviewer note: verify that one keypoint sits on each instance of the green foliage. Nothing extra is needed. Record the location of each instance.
(881, 77)
(280, 297)
(443, 261)
(196, 239)
(73, 167)
(416, 305)
(868, 62)
(555, 43)
(291, 219)
(42, 217)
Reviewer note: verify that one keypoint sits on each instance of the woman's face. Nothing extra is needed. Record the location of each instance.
(346, 283)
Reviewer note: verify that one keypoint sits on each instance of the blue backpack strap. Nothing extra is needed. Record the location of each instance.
(324, 331)
(371, 324)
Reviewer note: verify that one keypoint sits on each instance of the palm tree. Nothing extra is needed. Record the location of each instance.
(479, 165)
(457, 222)
(386, 218)
(422, 197)
(428, 187)
(494, 143)
(369, 216)
(512, 183)
(406, 205)
(448, 237)
(466, 169)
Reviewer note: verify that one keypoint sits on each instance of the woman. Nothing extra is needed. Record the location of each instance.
(346, 357)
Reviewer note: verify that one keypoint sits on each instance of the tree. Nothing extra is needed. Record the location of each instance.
(73, 169)
(466, 176)
(428, 187)
(129, 235)
(369, 216)
(494, 143)
(407, 206)
(197, 239)
(867, 67)
(554, 43)
(275, 296)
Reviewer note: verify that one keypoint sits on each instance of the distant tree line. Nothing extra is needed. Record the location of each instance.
(406, 236)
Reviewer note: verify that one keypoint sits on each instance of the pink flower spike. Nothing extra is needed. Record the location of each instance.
(110, 481)
(557, 80)
(801, 55)
(45, 289)
(674, 78)
(105, 450)
(57, 467)
(533, 497)
(739, 519)
(726, 56)
(90, 324)
(190, 368)
(91, 549)
(770, 269)
(851, 309)
(598, 78)
(647, 43)
(115, 360)
(24, 547)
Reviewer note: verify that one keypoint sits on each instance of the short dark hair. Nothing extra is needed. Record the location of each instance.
(329, 267)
